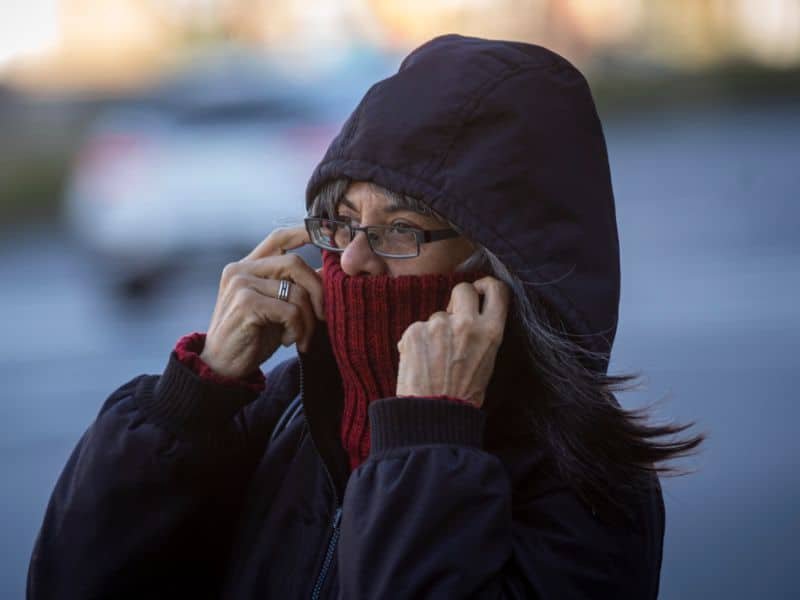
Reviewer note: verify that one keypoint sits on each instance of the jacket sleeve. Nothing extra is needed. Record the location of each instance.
(430, 515)
(146, 503)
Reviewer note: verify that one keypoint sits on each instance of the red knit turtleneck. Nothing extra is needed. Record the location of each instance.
(366, 316)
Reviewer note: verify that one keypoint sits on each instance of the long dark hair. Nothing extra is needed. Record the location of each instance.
(603, 451)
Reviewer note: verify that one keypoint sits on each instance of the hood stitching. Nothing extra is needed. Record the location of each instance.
(481, 94)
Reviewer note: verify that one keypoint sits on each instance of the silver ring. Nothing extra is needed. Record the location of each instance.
(283, 290)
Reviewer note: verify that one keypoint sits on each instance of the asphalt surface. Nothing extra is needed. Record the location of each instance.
(708, 212)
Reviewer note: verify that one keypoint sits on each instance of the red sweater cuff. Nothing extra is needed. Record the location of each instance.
(188, 350)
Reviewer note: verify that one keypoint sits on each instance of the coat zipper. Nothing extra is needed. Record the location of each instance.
(326, 564)
(337, 515)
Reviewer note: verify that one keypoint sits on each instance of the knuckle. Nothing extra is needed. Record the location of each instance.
(251, 319)
(438, 318)
(438, 322)
(462, 324)
(294, 261)
(229, 271)
(238, 281)
(411, 331)
(243, 296)
(490, 282)
(434, 326)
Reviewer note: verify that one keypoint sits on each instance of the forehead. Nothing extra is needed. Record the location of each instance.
(363, 196)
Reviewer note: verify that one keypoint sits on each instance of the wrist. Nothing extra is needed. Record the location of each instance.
(191, 351)
(208, 359)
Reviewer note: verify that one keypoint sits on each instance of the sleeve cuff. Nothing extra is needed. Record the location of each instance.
(188, 351)
(181, 400)
(411, 421)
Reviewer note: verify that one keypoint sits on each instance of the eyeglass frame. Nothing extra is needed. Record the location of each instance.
(422, 236)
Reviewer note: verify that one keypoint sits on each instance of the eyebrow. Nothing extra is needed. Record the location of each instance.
(392, 208)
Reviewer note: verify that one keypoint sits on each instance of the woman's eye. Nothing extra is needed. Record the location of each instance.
(400, 226)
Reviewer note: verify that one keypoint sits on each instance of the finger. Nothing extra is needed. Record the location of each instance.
(294, 269)
(297, 296)
(464, 299)
(438, 320)
(265, 310)
(279, 241)
(496, 298)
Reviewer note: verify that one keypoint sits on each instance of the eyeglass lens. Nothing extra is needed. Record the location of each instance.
(393, 241)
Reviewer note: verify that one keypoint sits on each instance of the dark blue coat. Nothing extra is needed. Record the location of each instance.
(177, 491)
(185, 488)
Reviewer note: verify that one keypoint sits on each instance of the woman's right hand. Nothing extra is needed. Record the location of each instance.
(249, 321)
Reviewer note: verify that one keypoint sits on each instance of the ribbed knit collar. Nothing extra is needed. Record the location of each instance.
(366, 316)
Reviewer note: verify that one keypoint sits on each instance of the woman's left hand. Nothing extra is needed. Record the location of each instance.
(453, 352)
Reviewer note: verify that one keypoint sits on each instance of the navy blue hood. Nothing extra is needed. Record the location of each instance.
(502, 139)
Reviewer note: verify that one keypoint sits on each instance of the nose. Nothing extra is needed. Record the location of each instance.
(359, 259)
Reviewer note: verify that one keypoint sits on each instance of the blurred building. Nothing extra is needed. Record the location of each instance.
(106, 44)
(113, 44)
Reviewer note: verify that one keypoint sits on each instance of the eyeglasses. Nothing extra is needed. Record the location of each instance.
(390, 241)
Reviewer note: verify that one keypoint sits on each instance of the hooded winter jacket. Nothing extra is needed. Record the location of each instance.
(183, 487)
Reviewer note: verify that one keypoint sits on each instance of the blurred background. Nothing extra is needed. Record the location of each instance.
(145, 143)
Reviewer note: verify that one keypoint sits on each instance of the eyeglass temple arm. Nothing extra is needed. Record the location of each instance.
(436, 235)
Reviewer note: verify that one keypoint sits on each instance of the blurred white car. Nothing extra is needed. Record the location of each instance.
(208, 163)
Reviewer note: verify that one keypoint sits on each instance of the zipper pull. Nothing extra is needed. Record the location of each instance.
(337, 518)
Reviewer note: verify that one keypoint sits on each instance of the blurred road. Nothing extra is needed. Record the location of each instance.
(708, 212)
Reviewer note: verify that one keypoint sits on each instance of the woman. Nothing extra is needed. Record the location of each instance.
(448, 430)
